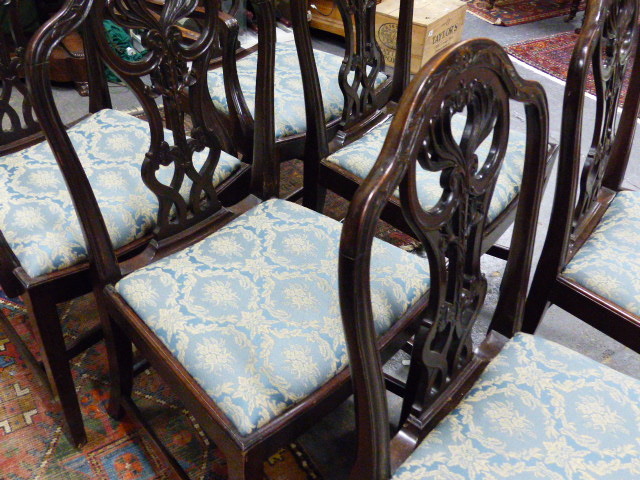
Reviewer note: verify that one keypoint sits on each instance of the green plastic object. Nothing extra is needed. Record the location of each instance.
(120, 41)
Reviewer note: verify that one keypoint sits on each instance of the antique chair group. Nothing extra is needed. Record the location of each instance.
(264, 315)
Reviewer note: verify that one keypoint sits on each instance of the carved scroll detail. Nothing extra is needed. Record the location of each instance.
(468, 185)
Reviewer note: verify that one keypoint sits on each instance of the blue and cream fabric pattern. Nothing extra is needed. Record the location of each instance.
(37, 216)
(253, 314)
(539, 410)
(359, 157)
(290, 116)
(609, 261)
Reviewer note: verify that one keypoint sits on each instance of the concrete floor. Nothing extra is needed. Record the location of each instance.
(330, 443)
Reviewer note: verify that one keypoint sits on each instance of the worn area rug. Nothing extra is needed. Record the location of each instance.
(32, 445)
(552, 55)
(516, 12)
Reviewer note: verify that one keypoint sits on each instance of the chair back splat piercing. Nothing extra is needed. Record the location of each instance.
(21, 127)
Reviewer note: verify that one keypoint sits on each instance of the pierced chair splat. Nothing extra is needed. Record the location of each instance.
(44, 256)
(590, 263)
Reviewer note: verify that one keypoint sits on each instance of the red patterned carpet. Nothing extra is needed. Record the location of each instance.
(552, 55)
(516, 12)
(32, 445)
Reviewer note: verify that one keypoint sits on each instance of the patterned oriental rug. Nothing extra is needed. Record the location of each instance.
(552, 55)
(32, 445)
(515, 12)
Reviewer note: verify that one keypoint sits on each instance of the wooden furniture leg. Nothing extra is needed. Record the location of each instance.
(575, 6)
(43, 313)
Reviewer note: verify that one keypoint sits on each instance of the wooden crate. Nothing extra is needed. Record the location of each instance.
(436, 25)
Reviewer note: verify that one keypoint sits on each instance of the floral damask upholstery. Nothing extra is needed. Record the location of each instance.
(290, 116)
(358, 158)
(37, 217)
(539, 410)
(609, 261)
(252, 312)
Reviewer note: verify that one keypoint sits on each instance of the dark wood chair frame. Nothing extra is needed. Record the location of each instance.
(42, 294)
(609, 35)
(365, 109)
(23, 127)
(477, 75)
(196, 219)
(240, 122)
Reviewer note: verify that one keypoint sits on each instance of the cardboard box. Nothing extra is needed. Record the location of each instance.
(436, 25)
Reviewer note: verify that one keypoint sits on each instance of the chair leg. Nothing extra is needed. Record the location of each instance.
(120, 357)
(575, 7)
(314, 197)
(44, 316)
(537, 303)
(245, 468)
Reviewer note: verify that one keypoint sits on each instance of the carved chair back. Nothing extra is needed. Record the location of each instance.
(605, 47)
(17, 121)
(173, 67)
(476, 78)
(362, 64)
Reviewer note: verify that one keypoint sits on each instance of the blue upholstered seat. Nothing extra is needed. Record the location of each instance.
(252, 312)
(609, 261)
(539, 410)
(358, 158)
(289, 98)
(37, 217)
